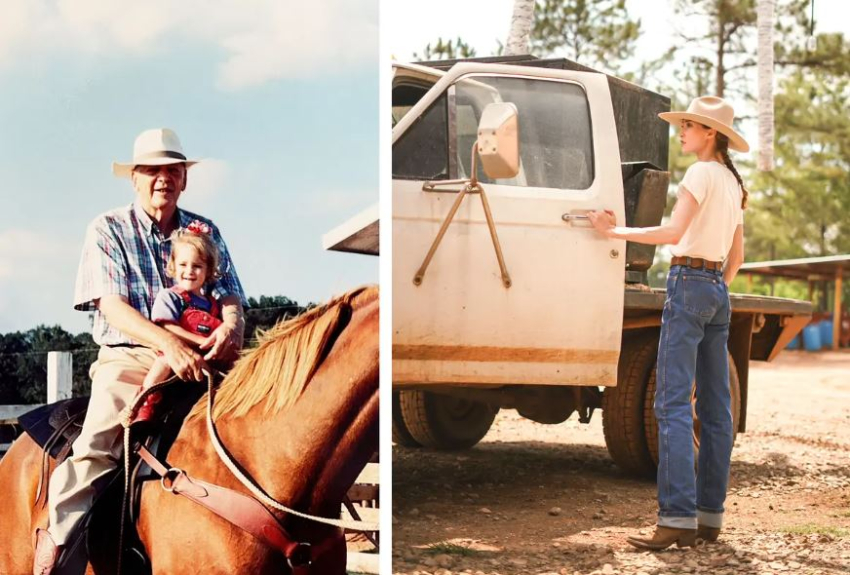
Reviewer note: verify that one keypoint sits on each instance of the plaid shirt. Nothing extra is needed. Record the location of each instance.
(125, 254)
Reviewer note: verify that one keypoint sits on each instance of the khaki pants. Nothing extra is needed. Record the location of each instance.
(116, 377)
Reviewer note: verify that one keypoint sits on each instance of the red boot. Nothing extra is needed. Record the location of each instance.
(146, 410)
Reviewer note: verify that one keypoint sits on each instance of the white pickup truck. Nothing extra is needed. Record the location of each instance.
(508, 298)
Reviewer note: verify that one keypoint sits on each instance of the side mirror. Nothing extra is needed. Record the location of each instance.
(498, 140)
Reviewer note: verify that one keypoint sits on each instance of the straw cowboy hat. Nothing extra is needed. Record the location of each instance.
(158, 147)
(713, 112)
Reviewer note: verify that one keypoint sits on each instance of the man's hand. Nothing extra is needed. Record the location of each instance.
(183, 360)
(224, 344)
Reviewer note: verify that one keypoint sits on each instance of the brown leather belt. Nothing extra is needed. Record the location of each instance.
(697, 263)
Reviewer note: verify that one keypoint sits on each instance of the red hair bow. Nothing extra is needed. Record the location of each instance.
(199, 227)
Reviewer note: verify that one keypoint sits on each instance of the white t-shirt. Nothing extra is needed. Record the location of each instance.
(719, 197)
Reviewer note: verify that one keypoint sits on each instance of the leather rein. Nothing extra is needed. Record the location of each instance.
(248, 512)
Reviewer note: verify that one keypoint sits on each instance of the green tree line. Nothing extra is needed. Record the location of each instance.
(799, 209)
(23, 354)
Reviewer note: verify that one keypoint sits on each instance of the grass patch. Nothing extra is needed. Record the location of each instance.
(450, 549)
(812, 529)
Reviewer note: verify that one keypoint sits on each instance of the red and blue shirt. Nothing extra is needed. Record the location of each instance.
(198, 314)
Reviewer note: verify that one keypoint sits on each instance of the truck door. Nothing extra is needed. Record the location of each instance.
(560, 321)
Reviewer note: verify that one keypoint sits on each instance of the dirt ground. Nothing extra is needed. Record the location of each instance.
(539, 499)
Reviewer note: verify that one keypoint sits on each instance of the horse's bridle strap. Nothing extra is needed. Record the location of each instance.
(239, 509)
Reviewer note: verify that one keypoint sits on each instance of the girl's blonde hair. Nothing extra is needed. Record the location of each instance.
(205, 247)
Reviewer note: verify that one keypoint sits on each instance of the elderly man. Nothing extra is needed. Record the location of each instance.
(121, 270)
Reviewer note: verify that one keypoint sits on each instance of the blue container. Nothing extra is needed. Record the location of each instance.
(794, 343)
(811, 338)
(826, 333)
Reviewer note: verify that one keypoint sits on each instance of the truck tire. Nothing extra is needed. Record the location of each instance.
(652, 423)
(401, 436)
(622, 407)
(445, 422)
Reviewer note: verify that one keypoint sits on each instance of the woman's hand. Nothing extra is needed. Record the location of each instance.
(224, 344)
(604, 222)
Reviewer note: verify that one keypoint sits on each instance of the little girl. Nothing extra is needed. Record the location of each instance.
(184, 309)
(707, 232)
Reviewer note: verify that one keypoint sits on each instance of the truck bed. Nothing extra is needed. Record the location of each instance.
(653, 300)
(773, 321)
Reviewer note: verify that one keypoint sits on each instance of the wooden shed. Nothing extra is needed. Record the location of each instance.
(830, 269)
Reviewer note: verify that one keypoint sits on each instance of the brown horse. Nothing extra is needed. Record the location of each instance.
(300, 415)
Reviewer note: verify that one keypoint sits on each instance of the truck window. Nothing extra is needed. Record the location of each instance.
(556, 145)
(405, 97)
(422, 151)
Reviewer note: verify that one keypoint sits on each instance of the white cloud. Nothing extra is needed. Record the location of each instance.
(300, 39)
(105, 25)
(261, 40)
(207, 178)
(27, 256)
(19, 22)
(37, 273)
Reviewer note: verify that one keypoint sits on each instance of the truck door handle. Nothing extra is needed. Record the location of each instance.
(577, 218)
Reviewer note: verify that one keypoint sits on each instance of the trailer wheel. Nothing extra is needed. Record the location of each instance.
(652, 423)
(622, 407)
(445, 422)
(401, 435)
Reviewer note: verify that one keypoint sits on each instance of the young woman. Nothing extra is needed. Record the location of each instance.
(185, 309)
(707, 233)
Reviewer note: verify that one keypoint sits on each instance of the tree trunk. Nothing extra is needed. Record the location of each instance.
(721, 52)
(766, 10)
(521, 23)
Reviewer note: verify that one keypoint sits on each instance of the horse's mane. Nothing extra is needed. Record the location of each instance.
(284, 361)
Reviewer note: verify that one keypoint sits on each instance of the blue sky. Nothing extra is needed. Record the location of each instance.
(282, 105)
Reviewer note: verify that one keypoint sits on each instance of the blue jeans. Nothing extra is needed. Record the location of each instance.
(694, 332)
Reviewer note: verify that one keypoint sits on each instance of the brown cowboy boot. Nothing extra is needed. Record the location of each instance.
(46, 553)
(709, 534)
(664, 537)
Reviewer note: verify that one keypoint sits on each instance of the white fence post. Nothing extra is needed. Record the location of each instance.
(60, 375)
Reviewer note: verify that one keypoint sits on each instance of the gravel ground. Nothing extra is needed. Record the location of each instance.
(538, 499)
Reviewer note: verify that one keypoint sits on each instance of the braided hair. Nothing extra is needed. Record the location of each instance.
(723, 148)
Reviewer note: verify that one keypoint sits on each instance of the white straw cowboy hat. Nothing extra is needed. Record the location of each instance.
(158, 147)
(715, 113)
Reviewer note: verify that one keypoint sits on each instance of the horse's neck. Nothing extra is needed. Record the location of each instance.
(308, 455)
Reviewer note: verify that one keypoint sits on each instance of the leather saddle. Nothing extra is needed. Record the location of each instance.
(54, 427)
